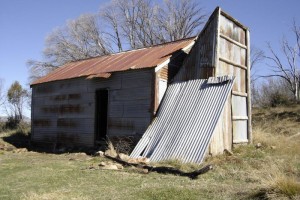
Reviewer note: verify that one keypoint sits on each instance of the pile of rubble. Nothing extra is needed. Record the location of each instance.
(114, 165)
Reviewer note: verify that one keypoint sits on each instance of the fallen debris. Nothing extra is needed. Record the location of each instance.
(110, 167)
(163, 170)
(99, 153)
(123, 156)
(258, 145)
(141, 160)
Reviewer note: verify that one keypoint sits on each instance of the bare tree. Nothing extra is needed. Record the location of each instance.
(257, 56)
(80, 39)
(122, 24)
(141, 23)
(38, 69)
(111, 17)
(288, 70)
(180, 19)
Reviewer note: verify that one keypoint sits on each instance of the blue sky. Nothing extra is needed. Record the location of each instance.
(24, 24)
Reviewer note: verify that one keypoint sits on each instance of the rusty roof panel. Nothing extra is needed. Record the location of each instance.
(135, 59)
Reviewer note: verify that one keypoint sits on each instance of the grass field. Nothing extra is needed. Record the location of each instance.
(269, 170)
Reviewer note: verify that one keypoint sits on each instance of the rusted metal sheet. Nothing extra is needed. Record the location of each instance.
(232, 28)
(185, 121)
(104, 65)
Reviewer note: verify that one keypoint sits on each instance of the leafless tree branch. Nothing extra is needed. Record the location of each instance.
(289, 70)
(120, 25)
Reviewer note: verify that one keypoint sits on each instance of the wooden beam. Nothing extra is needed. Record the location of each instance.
(240, 141)
(249, 104)
(241, 94)
(233, 41)
(239, 117)
(232, 63)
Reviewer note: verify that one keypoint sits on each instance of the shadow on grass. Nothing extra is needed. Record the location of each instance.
(20, 139)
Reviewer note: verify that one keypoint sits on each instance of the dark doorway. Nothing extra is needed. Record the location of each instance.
(101, 114)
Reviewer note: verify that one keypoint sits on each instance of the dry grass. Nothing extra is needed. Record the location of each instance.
(111, 151)
(271, 171)
(278, 131)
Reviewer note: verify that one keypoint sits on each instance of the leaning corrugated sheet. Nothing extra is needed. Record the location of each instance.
(185, 121)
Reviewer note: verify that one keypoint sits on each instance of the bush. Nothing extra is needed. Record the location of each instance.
(276, 99)
(272, 93)
(2, 127)
(12, 123)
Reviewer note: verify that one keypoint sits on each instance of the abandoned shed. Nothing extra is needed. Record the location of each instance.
(119, 95)
(115, 95)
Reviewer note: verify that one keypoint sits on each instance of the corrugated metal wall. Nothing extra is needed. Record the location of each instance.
(223, 48)
(200, 62)
(185, 121)
(64, 111)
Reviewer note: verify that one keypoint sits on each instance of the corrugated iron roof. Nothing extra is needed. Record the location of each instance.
(185, 121)
(102, 66)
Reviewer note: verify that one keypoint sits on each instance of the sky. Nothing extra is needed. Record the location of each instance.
(24, 25)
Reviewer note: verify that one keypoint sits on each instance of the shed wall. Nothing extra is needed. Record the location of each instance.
(223, 48)
(64, 111)
(200, 62)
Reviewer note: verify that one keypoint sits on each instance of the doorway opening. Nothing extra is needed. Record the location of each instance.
(101, 114)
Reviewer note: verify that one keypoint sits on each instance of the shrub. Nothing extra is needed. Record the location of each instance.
(272, 93)
(12, 123)
(2, 127)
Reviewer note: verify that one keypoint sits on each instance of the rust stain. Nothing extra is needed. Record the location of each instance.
(63, 109)
(44, 89)
(228, 32)
(135, 59)
(51, 109)
(70, 108)
(120, 124)
(235, 35)
(60, 97)
(243, 37)
(42, 122)
(66, 123)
